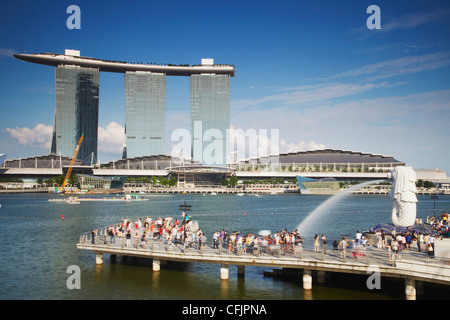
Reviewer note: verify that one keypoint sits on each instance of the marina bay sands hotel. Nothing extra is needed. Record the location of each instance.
(77, 82)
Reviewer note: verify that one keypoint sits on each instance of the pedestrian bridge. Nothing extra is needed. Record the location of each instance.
(413, 266)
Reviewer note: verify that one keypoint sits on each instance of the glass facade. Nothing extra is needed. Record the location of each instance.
(77, 98)
(145, 110)
(210, 118)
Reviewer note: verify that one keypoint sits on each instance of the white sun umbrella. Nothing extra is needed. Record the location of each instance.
(264, 232)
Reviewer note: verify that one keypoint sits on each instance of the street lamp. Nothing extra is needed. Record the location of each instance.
(434, 197)
(184, 207)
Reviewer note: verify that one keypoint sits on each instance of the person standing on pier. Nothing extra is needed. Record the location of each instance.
(324, 244)
(358, 238)
(216, 240)
(128, 239)
(394, 249)
(93, 232)
(379, 240)
(111, 236)
(343, 247)
(316, 243)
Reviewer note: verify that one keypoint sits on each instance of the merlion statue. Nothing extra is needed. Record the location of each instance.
(403, 195)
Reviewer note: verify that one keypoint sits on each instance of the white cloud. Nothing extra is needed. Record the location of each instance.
(111, 138)
(310, 94)
(40, 136)
(410, 21)
(400, 66)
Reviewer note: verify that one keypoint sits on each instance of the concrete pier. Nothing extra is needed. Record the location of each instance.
(410, 289)
(98, 258)
(156, 266)
(414, 267)
(223, 272)
(307, 279)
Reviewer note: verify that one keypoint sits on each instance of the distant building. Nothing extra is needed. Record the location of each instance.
(145, 113)
(2, 158)
(326, 160)
(77, 89)
(210, 118)
(76, 112)
(193, 176)
(318, 186)
(89, 182)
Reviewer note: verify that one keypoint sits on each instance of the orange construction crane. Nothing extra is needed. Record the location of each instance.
(69, 171)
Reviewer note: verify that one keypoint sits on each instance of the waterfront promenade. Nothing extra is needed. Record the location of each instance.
(414, 267)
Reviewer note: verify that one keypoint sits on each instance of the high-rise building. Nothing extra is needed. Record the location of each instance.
(145, 111)
(76, 112)
(77, 89)
(210, 118)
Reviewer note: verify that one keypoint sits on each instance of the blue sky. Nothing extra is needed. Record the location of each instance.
(311, 69)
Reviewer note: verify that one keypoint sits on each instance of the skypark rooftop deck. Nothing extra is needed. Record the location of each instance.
(56, 59)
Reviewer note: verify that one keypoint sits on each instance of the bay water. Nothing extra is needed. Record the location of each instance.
(38, 245)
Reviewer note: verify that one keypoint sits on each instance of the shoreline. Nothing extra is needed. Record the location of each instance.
(214, 191)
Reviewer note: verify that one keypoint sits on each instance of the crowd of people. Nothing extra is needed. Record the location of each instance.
(186, 232)
(408, 240)
(241, 243)
(142, 231)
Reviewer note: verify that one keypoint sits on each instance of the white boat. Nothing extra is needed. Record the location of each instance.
(72, 200)
(240, 194)
(213, 193)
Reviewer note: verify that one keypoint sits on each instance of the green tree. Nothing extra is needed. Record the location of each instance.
(428, 184)
(419, 183)
(59, 180)
(173, 181)
(233, 181)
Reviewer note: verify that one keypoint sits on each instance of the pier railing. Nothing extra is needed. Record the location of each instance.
(303, 250)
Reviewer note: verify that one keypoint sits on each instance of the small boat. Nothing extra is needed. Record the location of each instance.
(240, 194)
(72, 200)
(213, 193)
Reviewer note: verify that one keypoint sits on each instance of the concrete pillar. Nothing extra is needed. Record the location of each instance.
(156, 265)
(98, 258)
(241, 270)
(223, 272)
(307, 279)
(410, 289)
